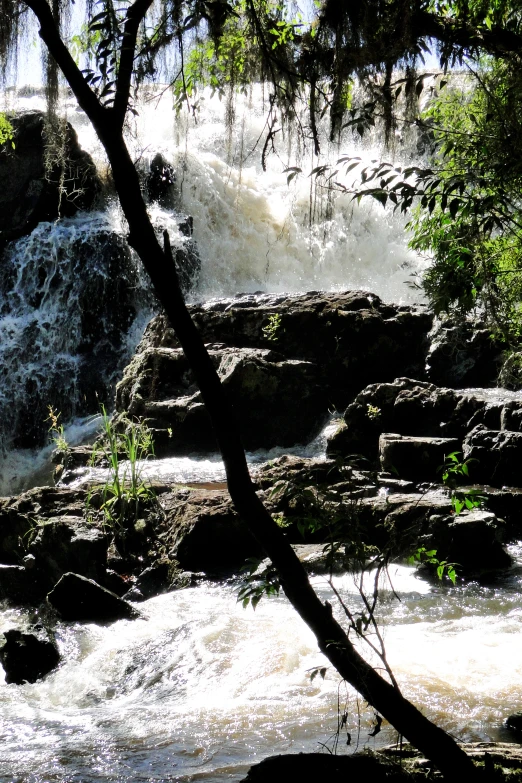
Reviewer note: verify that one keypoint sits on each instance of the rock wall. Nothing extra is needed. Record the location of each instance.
(286, 361)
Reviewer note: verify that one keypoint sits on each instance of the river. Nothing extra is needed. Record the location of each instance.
(201, 688)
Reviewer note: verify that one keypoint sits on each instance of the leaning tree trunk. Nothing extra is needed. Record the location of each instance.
(331, 638)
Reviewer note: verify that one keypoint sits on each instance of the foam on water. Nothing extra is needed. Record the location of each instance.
(254, 230)
(200, 688)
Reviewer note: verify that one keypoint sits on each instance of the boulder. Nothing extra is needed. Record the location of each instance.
(19, 585)
(411, 407)
(153, 580)
(20, 516)
(27, 657)
(417, 459)
(66, 543)
(462, 353)
(276, 401)
(160, 181)
(202, 531)
(472, 539)
(30, 191)
(78, 599)
(352, 337)
(320, 767)
(514, 722)
(498, 456)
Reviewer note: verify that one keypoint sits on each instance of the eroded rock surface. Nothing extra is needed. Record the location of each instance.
(76, 598)
(30, 191)
(285, 361)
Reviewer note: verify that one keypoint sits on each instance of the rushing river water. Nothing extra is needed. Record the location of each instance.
(200, 688)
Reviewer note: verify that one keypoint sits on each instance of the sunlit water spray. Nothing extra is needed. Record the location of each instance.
(201, 688)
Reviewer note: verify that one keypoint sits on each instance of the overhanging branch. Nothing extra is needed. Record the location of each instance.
(135, 15)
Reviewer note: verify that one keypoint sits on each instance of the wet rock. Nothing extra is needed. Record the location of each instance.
(472, 539)
(265, 391)
(160, 180)
(301, 470)
(30, 192)
(202, 531)
(19, 585)
(504, 754)
(27, 657)
(410, 407)
(352, 337)
(153, 580)
(511, 416)
(65, 544)
(418, 459)
(498, 456)
(21, 515)
(510, 375)
(318, 767)
(462, 353)
(79, 599)
(514, 722)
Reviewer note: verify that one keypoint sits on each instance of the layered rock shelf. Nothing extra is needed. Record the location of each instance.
(287, 362)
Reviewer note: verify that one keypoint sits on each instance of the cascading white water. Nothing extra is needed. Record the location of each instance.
(253, 230)
(200, 688)
(65, 325)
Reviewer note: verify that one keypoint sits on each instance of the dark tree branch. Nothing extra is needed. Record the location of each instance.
(158, 261)
(497, 41)
(135, 15)
(393, 45)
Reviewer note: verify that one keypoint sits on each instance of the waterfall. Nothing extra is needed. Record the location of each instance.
(74, 299)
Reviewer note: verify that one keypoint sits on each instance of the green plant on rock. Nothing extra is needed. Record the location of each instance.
(272, 329)
(429, 557)
(373, 412)
(124, 491)
(56, 430)
(453, 471)
(7, 133)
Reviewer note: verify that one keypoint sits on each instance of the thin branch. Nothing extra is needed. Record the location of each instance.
(135, 15)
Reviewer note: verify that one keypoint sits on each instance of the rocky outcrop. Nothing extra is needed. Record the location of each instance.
(318, 767)
(76, 598)
(463, 353)
(496, 455)
(202, 531)
(409, 457)
(419, 409)
(27, 657)
(32, 189)
(276, 401)
(44, 534)
(285, 361)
